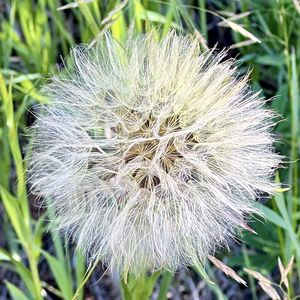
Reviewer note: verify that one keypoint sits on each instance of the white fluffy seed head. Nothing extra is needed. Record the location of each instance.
(151, 154)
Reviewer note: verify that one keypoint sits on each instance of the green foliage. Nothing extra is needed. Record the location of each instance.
(141, 287)
(34, 34)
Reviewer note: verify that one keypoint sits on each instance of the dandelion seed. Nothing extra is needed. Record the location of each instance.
(151, 153)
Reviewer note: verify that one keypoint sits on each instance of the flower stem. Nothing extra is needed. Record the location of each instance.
(138, 287)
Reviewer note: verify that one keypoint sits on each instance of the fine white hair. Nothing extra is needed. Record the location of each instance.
(151, 153)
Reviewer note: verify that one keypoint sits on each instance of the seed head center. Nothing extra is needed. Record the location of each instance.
(146, 154)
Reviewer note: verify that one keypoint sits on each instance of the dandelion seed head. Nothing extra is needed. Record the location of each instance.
(151, 154)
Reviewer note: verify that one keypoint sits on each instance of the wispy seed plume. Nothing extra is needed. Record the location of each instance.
(151, 154)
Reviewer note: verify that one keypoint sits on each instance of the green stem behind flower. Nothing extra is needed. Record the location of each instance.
(138, 288)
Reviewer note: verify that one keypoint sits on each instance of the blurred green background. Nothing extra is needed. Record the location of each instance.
(34, 36)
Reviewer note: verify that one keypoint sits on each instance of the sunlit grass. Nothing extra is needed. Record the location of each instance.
(34, 35)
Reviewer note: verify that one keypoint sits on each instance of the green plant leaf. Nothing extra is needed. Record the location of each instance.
(15, 292)
(271, 215)
(61, 276)
(14, 213)
(164, 285)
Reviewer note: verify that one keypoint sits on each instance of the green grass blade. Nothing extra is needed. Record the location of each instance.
(271, 215)
(15, 292)
(61, 275)
(166, 280)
